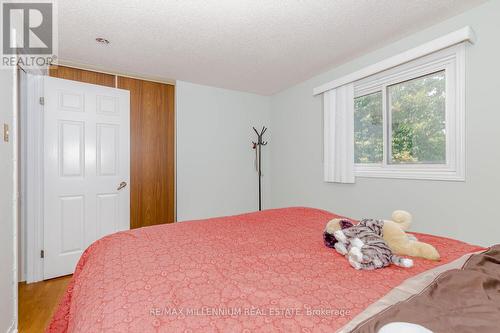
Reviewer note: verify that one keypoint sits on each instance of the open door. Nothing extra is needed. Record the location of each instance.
(86, 169)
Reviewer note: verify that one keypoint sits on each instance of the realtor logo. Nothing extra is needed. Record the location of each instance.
(28, 33)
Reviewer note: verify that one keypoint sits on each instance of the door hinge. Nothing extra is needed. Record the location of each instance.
(42, 254)
(42, 101)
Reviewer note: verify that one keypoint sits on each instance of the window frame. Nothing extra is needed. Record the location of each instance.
(452, 61)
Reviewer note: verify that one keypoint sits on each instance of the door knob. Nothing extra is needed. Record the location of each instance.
(122, 185)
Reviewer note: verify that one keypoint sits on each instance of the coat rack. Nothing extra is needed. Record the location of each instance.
(258, 148)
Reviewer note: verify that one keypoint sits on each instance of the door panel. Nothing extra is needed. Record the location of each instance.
(70, 101)
(107, 105)
(72, 217)
(108, 214)
(87, 156)
(71, 148)
(107, 149)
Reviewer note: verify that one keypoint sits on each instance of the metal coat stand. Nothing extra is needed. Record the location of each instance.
(258, 148)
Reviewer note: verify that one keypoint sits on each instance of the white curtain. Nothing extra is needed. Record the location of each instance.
(339, 134)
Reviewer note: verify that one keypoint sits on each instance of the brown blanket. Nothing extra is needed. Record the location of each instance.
(457, 301)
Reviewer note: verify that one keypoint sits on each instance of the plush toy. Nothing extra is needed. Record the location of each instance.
(365, 248)
(393, 232)
(331, 227)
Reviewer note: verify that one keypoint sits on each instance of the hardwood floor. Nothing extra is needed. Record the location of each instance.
(38, 301)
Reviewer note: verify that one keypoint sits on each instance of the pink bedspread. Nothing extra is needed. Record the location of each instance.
(258, 272)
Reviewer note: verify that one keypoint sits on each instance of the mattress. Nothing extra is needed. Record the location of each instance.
(259, 272)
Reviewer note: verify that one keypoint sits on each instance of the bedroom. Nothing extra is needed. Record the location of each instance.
(370, 107)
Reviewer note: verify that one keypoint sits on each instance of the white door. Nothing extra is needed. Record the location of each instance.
(86, 169)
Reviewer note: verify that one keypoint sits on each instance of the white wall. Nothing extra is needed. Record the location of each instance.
(8, 206)
(215, 163)
(463, 210)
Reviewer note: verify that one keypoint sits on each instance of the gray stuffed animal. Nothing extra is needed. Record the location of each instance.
(365, 247)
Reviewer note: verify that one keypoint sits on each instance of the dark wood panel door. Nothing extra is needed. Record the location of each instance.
(81, 75)
(151, 152)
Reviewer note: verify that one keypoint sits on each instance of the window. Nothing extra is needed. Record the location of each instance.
(409, 120)
(368, 129)
(417, 112)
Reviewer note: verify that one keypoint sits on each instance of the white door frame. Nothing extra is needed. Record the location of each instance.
(32, 178)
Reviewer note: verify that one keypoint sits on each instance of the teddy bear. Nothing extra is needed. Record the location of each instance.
(393, 232)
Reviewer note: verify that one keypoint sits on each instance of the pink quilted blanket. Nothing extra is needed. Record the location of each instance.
(260, 272)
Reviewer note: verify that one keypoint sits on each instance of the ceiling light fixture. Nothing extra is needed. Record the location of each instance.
(101, 40)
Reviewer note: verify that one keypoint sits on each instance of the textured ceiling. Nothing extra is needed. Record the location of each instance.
(260, 46)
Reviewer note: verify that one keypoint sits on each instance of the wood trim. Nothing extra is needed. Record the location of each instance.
(462, 35)
(81, 75)
(152, 136)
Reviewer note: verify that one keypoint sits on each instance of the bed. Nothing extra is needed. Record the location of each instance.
(259, 272)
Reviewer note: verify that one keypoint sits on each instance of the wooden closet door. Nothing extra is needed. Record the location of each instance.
(152, 162)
